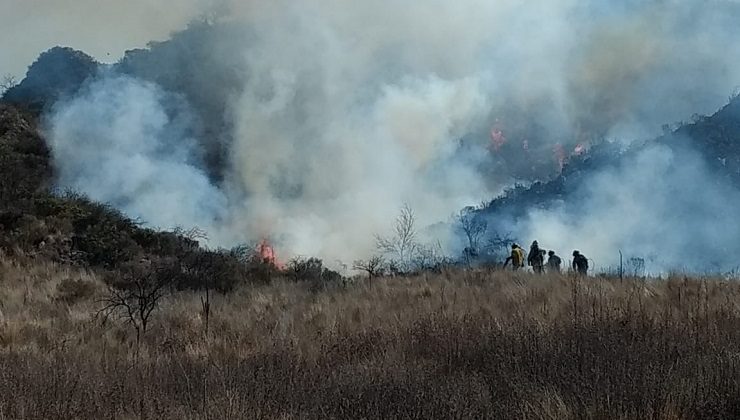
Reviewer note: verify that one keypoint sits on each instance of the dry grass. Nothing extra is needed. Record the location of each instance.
(467, 344)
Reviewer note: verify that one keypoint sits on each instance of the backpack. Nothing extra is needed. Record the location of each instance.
(535, 256)
(519, 260)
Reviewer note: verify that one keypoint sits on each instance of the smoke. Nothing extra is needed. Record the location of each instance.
(662, 205)
(130, 147)
(334, 114)
(342, 174)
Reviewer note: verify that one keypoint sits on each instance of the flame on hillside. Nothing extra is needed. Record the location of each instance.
(267, 254)
(579, 149)
(497, 139)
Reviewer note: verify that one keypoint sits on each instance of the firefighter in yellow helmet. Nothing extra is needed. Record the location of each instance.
(516, 257)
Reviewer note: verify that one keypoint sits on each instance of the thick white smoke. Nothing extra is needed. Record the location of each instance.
(341, 175)
(662, 205)
(340, 112)
(128, 144)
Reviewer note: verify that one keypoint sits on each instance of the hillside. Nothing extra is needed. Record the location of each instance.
(56, 74)
(687, 178)
(716, 137)
(25, 165)
(195, 139)
(45, 225)
(458, 344)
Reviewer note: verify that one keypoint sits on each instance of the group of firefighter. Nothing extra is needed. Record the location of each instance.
(536, 259)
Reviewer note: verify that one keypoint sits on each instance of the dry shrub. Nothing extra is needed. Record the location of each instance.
(71, 291)
(463, 344)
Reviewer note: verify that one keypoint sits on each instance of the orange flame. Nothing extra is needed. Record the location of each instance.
(267, 254)
(579, 149)
(497, 138)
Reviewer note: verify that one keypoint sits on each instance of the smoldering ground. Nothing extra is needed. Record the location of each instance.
(331, 115)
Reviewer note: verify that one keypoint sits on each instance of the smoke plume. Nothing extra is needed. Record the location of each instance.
(313, 122)
(134, 151)
(662, 205)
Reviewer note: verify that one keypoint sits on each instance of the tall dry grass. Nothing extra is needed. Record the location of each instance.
(463, 344)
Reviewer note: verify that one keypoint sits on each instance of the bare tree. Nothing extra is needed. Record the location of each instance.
(430, 257)
(403, 242)
(498, 246)
(735, 94)
(473, 227)
(305, 269)
(135, 296)
(193, 233)
(373, 266)
(7, 82)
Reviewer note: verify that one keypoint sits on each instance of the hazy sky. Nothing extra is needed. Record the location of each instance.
(102, 28)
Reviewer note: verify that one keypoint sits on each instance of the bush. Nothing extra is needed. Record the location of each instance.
(164, 243)
(204, 269)
(311, 269)
(25, 164)
(102, 234)
(104, 245)
(72, 291)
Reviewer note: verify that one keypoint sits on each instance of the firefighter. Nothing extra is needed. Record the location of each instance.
(536, 257)
(516, 257)
(580, 263)
(553, 262)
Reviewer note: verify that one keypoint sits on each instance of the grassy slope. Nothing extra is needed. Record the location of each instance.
(464, 344)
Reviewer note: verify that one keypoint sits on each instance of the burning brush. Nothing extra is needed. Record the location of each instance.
(267, 254)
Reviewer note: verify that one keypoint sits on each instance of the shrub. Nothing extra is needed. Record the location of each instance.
(205, 269)
(311, 269)
(72, 291)
(163, 243)
(135, 293)
(104, 245)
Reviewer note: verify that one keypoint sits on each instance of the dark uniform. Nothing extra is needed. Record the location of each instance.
(553, 262)
(580, 263)
(536, 257)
